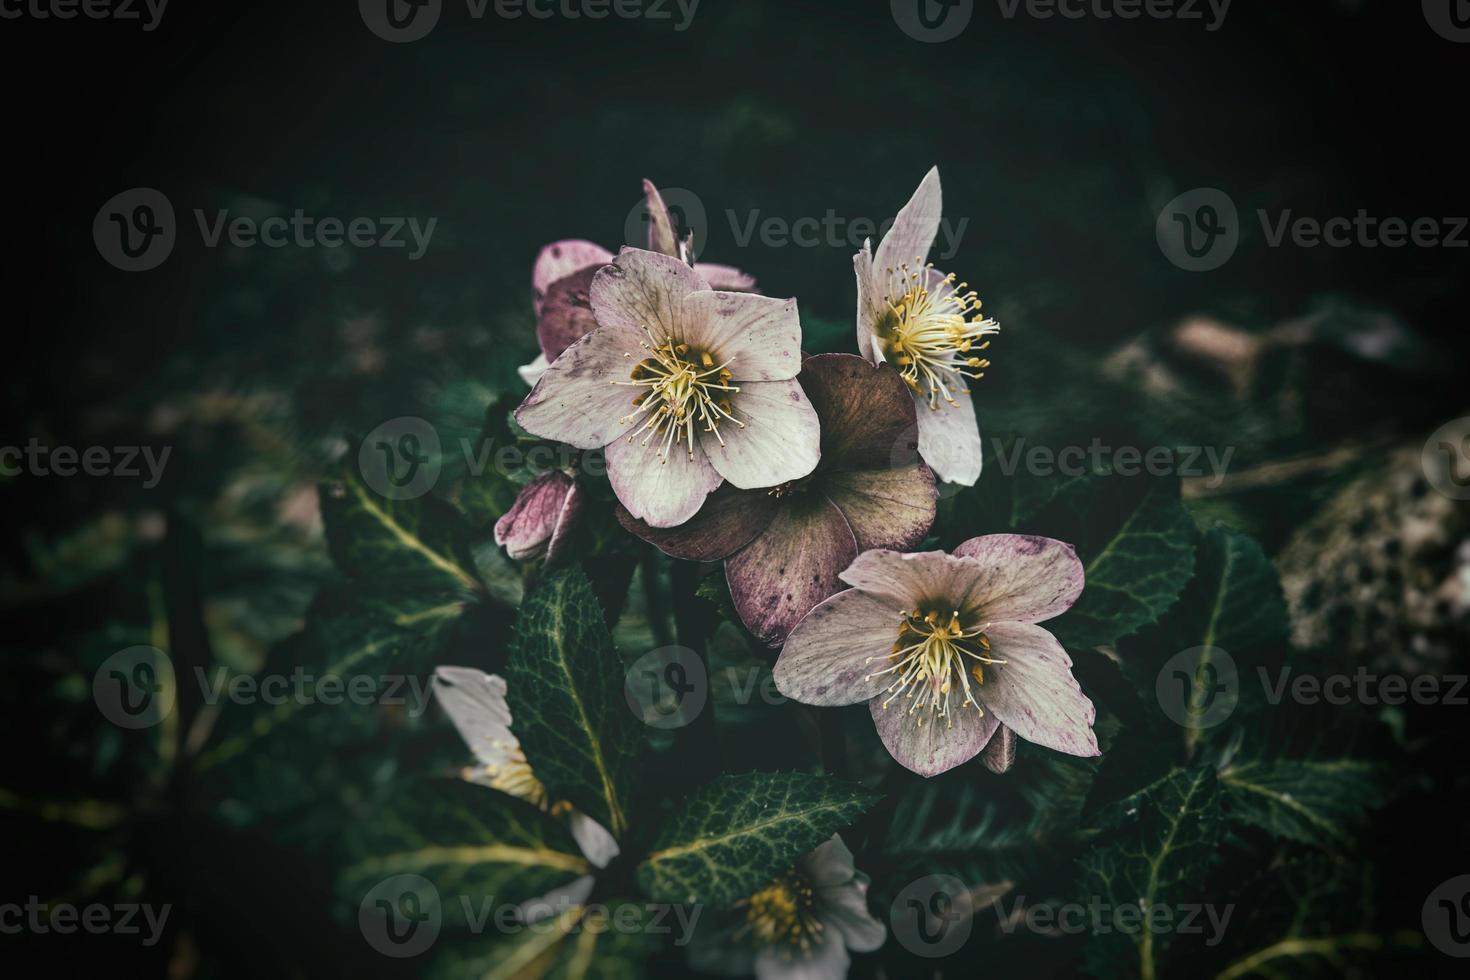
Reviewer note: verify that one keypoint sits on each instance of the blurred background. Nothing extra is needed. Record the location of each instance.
(1061, 142)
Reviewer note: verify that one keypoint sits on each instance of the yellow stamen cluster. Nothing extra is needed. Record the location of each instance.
(784, 914)
(514, 776)
(931, 652)
(682, 388)
(933, 335)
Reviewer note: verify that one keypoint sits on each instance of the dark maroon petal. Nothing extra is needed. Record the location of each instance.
(727, 522)
(777, 578)
(566, 313)
(890, 509)
(867, 414)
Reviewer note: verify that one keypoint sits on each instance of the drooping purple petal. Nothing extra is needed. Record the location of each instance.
(643, 292)
(936, 746)
(887, 509)
(561, 259)
(914, 229)
(1034, 693)
(726, 277)
(790, 567)
(729, 520)
(949, 439)
(662, 237)
(576, 401)
(663, 490)
(1000, 754)
(830, 656)
(868, 419)
(541, 517)
(566, 313)
(869, 303)
(757, 338)
(1028, 578)
(778, 441)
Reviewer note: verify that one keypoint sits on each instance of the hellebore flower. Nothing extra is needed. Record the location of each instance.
(800, 926)
(929, 327)
(784, 547)
(561, 281)
(475, 702)
(944, 648)
(540, 522)
(686, 386)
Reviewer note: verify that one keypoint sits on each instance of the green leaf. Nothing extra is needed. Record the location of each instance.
(467, 840)
(393, 546)
(739, 832)
(565, 688)
(1319, 802)
(1136, 543)
(1166, 839)
(608, 941)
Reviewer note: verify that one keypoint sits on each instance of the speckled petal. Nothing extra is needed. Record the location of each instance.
(1034, 692)
(779, 441)
(790, 567)
(829, 657)
(867, 413)
(664, 494)
(729, 520)
(644, 292)
(757, 338)
(936, 746)
(1028, 578)
(886, 508)
(576, 401)
(561, 259)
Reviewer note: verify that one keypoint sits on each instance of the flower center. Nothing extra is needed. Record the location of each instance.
(931, 333)
(930, 654)
(784, 913)
(682, 388)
